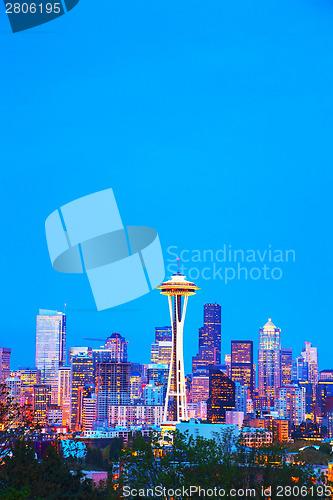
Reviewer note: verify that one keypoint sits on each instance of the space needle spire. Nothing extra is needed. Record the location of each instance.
(178, 289)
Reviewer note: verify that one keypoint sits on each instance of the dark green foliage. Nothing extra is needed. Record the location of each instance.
(115, 448)
(24, 477)
(94, 458)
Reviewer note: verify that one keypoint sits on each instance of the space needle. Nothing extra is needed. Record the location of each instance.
(178, 289)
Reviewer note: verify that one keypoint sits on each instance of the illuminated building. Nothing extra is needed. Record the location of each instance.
(153, 395)
(161, 352)
(286, 363)
(227, 362)
(300, 370)
(81, 377)
(54, 415)
(234, 418)
(310, 355)
(126, 416)
(112, 387)
(29, 377)
(50, 347)
(157, 374)
(209, 338)
(41, 400)
(210, 335)
(14, 388)
(78, 351)
(177, 290)
(280, 428)
(64, 393)
(89, 405)
(269, 362)
(326, 375)
(241, 397)
(136, 387)
(242, 363)
(5, 353)
(200, 388)
(118, 347)
(256, 437)
(163, 334)
(309, 399)
(290, 403)
(221, 396)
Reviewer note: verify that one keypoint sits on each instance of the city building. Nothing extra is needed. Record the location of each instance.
(64, 393)
(135, 387)
(221, 396)
(5, 353)
(209, 338)
(242, 369)
(78, 351)
(290, 403)
(177, 290)
(200, 387)
(29, 377)
(41, 399)
(14, 389)
(127, 416)
(117, 344)
(269, 362)
(163, 334)
(161, 352)
(89, 406)
(310, 355)
(112, 388)
(153, 395)
(82, 376)
(234, 418)
(50, 347)
(241, 397)
(54, 415)
(286, 363)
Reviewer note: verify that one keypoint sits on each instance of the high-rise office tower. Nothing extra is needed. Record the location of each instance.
(14, 388)
(41, 400)
(117, 344)
(64, 393)
(242, 369)
(290, 403)
(286, 363)
(50, 347)
(161, 352)
(4, 363)
(200, 387)
(210, 334)
(29, 377)
(81, 377)
(112, 388)
(178, 289)
(269, 362)
(300, 371)
(221, 396)
(310, 355)
(78, 351)
(163, 334)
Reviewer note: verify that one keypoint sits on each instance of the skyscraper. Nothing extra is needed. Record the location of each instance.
(177, 290)
(41, 400)
(310, 355)
(81, 377)
(242, 363)
(50, 347)
(4, 363)
(117, 344)
(269, 362)
(290, 403)
(221, 396)
(163, 334)
(112, 388)
(210, 334)
(286, 363)
(64, 393)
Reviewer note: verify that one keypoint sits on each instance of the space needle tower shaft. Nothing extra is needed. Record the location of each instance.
(178, 289)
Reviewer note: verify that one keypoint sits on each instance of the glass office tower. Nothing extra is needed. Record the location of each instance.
(269, 362)
(50, 347)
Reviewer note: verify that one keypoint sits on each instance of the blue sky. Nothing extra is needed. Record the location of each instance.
(212, 122)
